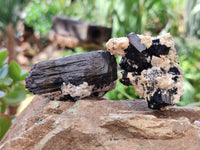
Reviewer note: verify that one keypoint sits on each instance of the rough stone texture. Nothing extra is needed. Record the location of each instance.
(99, 125)
(74, 77)
(150, 64)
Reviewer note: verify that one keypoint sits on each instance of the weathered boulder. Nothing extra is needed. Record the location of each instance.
(92, 124)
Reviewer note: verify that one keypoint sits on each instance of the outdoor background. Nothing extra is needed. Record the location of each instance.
(150, 17)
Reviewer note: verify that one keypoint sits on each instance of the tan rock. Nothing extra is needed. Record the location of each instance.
(99, 125)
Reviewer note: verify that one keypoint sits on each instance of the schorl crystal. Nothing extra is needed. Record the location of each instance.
(151, 66)
(74, 77)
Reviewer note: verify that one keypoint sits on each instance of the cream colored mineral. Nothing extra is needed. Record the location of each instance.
(158, 79)
(117, 45)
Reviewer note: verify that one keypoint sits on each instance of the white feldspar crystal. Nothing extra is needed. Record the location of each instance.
(82, 90)
(160, 76)
(117, 45)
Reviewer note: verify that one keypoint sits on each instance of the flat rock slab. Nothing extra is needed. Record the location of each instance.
(105, 124)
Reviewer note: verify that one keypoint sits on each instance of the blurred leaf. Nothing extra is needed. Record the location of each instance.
(2, 94)
(3, 56)
(5, 123)
(3, 107)
(150, 4)
(188, 95)
(194, 104)
(192, 76)
(192, 18)
(24, 74)
(14, 97)
(18, 87)
(3, 71)
(196, 9)
(198, 95)
(6, 81)
(14, 71)
(122, 92)
(4, 87)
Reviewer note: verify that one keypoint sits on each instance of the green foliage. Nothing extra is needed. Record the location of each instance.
(96, 11)
(140, 16)
(125, 16)
(14, 97)
(10, 12)
(122, 92)
(192, 18)
(12, 91)
(14, 71)
(191, 66)
(40, 13)
(3, 57)
(72, 52)
(5, 123)
(189, 52)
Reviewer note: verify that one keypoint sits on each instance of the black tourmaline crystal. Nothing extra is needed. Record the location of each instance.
(150, 65)
(76, 76)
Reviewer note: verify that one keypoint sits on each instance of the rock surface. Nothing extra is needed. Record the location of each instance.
(99, 125)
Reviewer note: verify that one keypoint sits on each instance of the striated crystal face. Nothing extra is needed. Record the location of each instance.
(74, 77)
(150, 65)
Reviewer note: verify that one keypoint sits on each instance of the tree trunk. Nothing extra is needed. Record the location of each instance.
(11, 56)
(11, 42)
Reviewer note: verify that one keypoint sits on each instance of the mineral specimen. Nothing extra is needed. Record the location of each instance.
(151, 66)
(74, 77)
